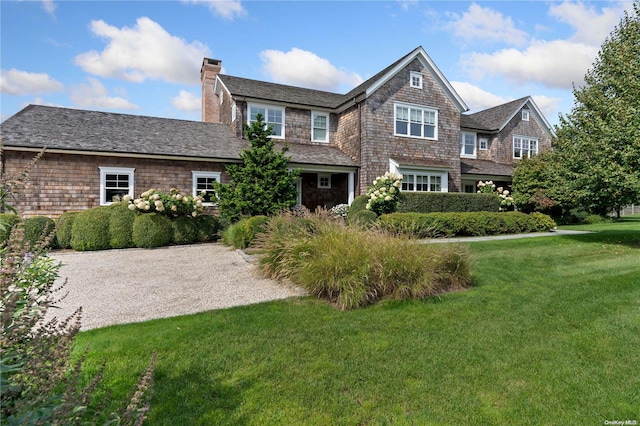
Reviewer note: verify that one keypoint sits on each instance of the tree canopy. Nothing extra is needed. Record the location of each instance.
(262, 184)
(595, 162)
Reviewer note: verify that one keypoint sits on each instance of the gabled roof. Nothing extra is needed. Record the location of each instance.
(104, 133)
(493, 120)
(261, 90)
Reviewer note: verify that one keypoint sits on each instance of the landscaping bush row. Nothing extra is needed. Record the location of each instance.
(36, 229)
(432, 202)
(241, 234)
(434, 225)
(352, 267)
(116, 226)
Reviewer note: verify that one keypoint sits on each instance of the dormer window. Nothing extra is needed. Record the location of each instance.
(271, 115)
(525, 115)
(416, 80)
(319, 127)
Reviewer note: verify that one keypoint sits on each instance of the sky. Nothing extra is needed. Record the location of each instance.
(144, 57)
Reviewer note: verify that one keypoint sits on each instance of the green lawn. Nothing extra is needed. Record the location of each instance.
(549, 334)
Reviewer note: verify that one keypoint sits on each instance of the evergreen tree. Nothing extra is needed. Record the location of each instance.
(262, 184)
(598, 142)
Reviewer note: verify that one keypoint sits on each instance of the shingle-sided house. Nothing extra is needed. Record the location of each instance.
(406, 119)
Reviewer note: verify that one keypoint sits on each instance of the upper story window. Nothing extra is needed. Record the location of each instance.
(271, 115)
(415, 79)
(468, 145)
(524, 146)
(203, 182)
(483, 144)
(416, 122)
(319, 127)
(115, 183)
(234, 112)
(525, 115)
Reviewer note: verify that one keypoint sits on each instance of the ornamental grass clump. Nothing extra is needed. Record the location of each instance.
(352, 267)
(173, 204)
(384, 194)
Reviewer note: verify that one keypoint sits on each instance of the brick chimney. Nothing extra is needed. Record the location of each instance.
(210, 102)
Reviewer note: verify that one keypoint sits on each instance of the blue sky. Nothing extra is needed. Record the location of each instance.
(144, 57)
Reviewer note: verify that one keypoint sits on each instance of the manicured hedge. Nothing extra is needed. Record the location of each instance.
(38, 230)
(152, 230)
(7, 220)
(90, 230)
(434, 225)
(431, 202)
(208, 227)
(184, 230)
(121, 226)
(64, 225)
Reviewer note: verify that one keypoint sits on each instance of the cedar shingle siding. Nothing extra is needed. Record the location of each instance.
(361, 146)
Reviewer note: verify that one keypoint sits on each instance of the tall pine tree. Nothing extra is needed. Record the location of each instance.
(262, 184)
(599, 140)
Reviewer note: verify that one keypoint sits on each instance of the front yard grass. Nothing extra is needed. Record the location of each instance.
(549, 334)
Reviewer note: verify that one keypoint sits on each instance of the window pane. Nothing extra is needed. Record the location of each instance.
(416, 115)
(436, 183)
(320, 121)
(402, 113)
(429, 131)
(430, 118)
(416, 129)
(277, 129)
(319, 134)
(401, 127)
(254, 113)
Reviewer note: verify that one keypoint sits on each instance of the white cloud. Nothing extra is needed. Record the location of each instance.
(591, 27)
(406, 4)
(484, 24)
(187, 101)
(549, 106)
(49, 6)
(145, 51)
(20, 83)
(227, 9)
(556, 64)
(94, 94)
(303, 68)
(476, 98)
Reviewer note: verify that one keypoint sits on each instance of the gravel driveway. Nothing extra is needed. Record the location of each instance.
(132, 285)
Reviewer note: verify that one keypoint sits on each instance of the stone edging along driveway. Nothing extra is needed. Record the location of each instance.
(133, 285)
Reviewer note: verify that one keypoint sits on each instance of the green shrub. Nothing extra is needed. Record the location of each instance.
(353, 267)
(435, 225)
(152, 230)
(7, 220)
(64, 224)
(185, 230)
(432, 202)
(90, 229)
(38, 230)
(121, 226)
(241, 234)
(359, 204)
(363, 218)
(207, 228)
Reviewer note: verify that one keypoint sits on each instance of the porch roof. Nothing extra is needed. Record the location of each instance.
(485, 167)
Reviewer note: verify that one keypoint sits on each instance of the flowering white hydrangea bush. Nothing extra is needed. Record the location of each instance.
(173, 204)
(488, 187)
(340, 210)
(384, 194)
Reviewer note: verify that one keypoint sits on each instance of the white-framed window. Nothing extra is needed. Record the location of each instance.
(203, 182)
(483, 144)
(415, 80)
(416, 121)
(525, 115)
(271, 115)
(115, 183)
(524, 146)
(319, 126)
(234, 112)
(423, 182)
(468, 145)
(324, 180)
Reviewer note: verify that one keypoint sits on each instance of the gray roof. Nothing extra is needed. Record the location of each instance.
(492, 119)
(103, 132)
(485, 167)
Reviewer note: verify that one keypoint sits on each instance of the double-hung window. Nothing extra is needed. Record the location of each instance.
(203, 182)
(468, 145)
(422, 182)
(115, 183)
(319, 127)
(415, 80)
(416, 122)
(524, 146)
(271, 115)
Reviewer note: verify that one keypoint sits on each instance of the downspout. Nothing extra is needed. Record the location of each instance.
(359, 143)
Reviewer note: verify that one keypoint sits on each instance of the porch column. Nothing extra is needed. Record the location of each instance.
(351, 185)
